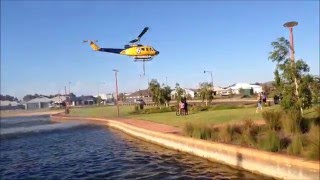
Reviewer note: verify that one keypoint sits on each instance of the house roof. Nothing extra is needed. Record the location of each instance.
(59, 98)
(243, 86)
(39, 99)
(145, 92)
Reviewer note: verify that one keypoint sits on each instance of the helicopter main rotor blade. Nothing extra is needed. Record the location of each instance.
(140, 35)
(143, 31)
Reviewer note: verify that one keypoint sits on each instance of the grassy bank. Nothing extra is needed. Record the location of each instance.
(217, 116)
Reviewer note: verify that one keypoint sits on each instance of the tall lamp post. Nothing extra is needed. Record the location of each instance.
(69, 94)
(290, 26)
(115, 72)
(211, 76)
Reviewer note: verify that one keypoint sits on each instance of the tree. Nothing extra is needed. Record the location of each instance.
(8, 98)
(179, 93)
(315, 89)
(160, 94)
(166, 93)
(122, 97)
(99, 100)
(291, 78)
(206, 92)
(154, 87)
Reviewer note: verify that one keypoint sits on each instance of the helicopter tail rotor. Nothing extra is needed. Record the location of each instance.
(93, 45)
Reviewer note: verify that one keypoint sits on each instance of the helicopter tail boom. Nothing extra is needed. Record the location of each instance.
(94, 46)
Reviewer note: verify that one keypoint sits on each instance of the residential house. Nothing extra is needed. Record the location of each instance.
(188, 92)
(38, 103)
(235, 88)
(84, 100)
(146, 95)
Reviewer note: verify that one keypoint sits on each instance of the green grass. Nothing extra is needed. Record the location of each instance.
(170, 118)
(105, 111)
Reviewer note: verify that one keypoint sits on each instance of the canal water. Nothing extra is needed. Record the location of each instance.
(37, 148)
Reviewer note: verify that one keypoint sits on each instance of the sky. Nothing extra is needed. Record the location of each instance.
(42, 49)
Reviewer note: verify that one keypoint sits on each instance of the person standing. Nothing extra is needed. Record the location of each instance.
(264, 98)
(185, 106)
(259, 101)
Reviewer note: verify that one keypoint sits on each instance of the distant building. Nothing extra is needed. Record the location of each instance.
(10, 105)
(59, 99)
(84, 100)
(235, 88)
(38, 103)
(146, 95)
(188, 92)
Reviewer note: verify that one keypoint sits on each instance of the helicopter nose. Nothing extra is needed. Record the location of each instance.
(157, 52)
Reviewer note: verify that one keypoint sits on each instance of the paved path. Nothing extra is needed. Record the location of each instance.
(152, 126)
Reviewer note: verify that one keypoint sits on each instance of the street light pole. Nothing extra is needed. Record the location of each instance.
(115, 72)
(69, 94)
(211, 76)
(290, 26)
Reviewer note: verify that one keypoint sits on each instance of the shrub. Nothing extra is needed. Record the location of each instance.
(295, 148)
(188, 129)
(249, 138)
(152, 110)
(225, 106)
(284, 142)
(291, 122)
(205, 132)
(248, 123)
(194, 109)
(136, 109)
(317, 118)
(272, 119)
(305, 125)
(271, 141)
(314, 143)
(227, 132)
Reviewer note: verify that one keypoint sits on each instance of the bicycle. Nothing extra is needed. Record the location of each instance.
(180, 112)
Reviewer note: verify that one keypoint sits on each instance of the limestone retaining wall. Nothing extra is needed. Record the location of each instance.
(260, 162)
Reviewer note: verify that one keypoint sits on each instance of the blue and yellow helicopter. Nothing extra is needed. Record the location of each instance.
(134, 49)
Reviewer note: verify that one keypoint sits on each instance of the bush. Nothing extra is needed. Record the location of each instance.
(272, 119)
(313, 148)
(136, 109)
(271, 141)
(194, 109)
(152, 110)
(225, 106)
(201, 131)
(227, 132)
(291, 122)
(295, 148)
(317, 118)
(249, 137)
(188, 129)
(305, 125)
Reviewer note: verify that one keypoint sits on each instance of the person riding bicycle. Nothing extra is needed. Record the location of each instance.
(181, 107)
